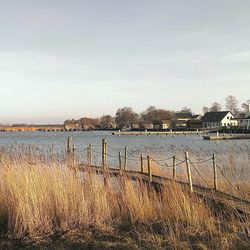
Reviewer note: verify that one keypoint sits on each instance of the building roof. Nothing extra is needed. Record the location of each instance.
(165, 121)
(214, 116)
(183, 115)
(196, 116)
(180, 122)
(194, 121)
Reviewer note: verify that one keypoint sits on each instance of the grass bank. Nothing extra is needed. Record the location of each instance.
(43, 202)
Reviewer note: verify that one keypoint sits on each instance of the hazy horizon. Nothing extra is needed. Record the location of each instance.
(72, 58)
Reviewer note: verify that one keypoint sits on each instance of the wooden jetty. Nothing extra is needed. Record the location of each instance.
(226, 137)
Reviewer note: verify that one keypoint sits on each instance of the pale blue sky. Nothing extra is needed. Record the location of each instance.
(74, 58)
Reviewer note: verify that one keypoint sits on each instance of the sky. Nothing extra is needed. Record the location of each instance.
(64, 59)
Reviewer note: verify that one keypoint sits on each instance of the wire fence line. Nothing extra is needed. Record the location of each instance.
(123, 159)
(113, 148)
(193, 164)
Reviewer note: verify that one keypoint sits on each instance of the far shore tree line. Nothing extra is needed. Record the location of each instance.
(126, 116)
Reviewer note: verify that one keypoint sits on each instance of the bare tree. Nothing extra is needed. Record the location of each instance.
(87, 122)
(125, 117)
(245, 106)
(186, 110)
(216, 107)
(107, 122)
(153, 114)
(205, 109)
(232, 104)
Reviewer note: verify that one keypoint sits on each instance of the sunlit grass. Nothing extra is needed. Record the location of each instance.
(41, 198)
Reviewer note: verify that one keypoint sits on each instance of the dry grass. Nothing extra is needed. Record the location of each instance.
(39, 201)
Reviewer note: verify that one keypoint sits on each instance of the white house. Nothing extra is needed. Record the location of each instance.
(219, 119)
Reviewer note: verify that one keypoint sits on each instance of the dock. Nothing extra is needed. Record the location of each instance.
(160, 132)
(226, 137)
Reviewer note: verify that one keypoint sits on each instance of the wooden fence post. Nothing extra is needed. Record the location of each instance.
(149, 169)
(104, 156)
(142, 164)
(125, 158)
(215, 173)
(73, 157)
(174, 167)
(69, 144)
(89, 155)
(120, 163)
(189, 172)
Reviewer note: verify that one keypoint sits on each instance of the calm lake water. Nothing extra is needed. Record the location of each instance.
(233, 152)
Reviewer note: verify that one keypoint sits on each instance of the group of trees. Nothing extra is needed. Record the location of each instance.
(126, 116)
(231, 104)
(106, 121)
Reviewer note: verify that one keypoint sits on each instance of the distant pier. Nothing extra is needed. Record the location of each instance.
(226, 137)
(160, 132)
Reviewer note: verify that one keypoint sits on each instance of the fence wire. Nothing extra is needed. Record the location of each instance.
(83, 154)
(193, 165)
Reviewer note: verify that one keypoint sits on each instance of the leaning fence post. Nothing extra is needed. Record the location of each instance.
(141, 163)
(174, 167)
(125, 158)
(120, 162)
(215, 172)
(149, 169)
(189, 172)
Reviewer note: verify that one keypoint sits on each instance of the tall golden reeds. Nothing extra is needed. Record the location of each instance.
(38, 200)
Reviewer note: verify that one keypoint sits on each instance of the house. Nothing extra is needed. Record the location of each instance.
(135, 126)
(72, 126)
(156, 125)
(194, 124)
(165, 124)
(181, 118)
(219, 119)
(148, 125)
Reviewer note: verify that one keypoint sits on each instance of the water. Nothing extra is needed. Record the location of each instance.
(233, 152)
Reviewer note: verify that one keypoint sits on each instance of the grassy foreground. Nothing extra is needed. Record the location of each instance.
(46, 204)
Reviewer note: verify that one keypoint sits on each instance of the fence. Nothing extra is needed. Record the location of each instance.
(123, 155)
